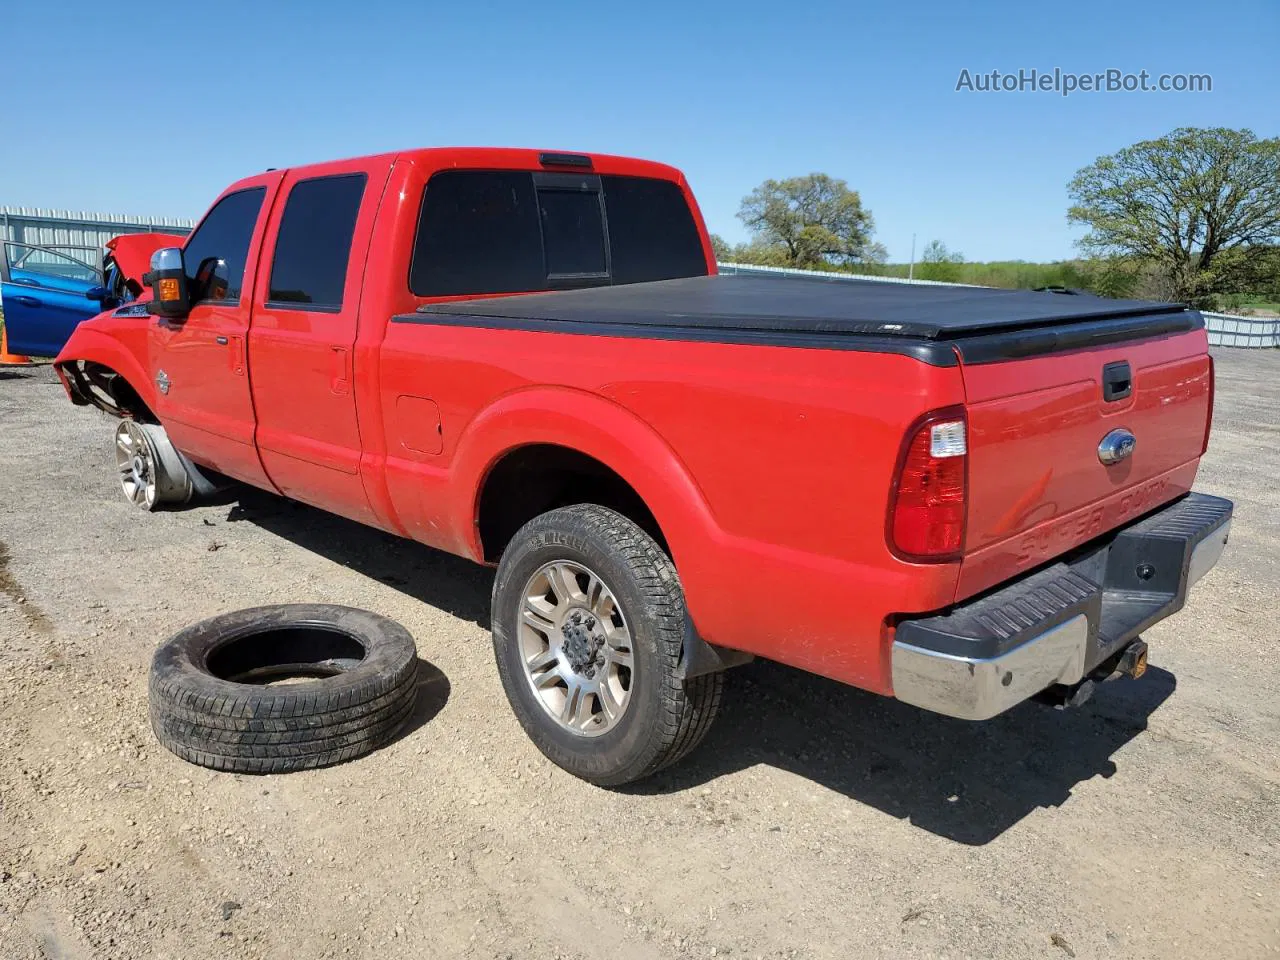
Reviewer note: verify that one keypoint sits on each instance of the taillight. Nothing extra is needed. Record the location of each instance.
(1208, 417)
(928, 503)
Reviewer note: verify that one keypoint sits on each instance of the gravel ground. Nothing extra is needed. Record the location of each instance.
(816, 821)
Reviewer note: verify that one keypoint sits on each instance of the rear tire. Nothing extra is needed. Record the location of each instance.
(586, 601)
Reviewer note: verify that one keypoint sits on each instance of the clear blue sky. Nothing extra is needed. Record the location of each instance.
(97, 119)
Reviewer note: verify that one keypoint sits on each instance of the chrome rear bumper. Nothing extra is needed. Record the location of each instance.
(1060, 623)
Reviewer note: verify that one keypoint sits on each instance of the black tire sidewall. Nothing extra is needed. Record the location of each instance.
(631, 744)
(180, 666)
(250, 728)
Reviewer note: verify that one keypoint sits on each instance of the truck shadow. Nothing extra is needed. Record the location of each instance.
(440, 579)
(968, 782)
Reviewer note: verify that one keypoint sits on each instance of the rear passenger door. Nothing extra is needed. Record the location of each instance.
(305, 318)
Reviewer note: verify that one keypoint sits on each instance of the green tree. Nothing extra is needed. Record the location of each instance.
(939, 263)
(1200, 205)
(1113, 277)
(721, 247)
(874, 255)
(812, 222)
(760, 254)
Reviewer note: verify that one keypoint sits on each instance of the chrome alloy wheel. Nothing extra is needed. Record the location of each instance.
(576, 648)
(136, 459)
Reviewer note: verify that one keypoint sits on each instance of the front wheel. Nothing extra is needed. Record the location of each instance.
(589, 623)
(153, 473)
(150, 469)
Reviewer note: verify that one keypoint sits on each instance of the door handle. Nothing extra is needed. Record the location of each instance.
(341, 384)
(1117, 381)
(236, 356)
(27, 301)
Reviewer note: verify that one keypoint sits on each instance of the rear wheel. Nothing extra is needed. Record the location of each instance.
(589, 623)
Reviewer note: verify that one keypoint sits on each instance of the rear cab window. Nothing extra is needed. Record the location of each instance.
(504, 231)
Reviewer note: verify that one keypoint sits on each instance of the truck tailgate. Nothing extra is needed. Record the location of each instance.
(1038, 486)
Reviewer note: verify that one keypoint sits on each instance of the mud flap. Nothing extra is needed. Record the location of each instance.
(699, 657)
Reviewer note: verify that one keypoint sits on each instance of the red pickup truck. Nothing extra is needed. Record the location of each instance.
(961, 497)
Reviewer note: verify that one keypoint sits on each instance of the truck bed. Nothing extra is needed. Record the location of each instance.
(928, 321)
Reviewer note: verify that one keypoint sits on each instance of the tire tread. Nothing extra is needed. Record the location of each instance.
(687, 707)
(244, 728)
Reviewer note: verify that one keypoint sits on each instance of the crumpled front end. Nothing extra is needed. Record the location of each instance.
(104, 364)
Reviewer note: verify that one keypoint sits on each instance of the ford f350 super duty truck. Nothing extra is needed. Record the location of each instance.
(960, 497)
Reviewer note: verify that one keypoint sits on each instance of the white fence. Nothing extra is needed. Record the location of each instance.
(1225, 330)
(752, 269)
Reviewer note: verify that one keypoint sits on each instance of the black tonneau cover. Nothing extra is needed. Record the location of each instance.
(836, 313)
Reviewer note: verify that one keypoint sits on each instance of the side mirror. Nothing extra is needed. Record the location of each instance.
(168, 278)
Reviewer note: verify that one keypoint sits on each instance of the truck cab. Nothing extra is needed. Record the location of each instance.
(277, 269)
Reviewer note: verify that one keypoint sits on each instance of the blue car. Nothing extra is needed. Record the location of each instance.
(44, 293)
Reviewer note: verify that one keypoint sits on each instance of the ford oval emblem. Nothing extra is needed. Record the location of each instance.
(1116, 446)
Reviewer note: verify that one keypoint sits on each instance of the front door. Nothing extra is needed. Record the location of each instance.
(301, 342)
(199, 362)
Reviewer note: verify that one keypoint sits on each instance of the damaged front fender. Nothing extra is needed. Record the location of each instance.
(104, 365)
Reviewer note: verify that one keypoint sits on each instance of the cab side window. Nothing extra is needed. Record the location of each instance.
(478, 232)
(309, 270)
(216, 253)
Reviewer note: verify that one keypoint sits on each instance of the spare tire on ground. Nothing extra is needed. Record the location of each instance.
(282, 688)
